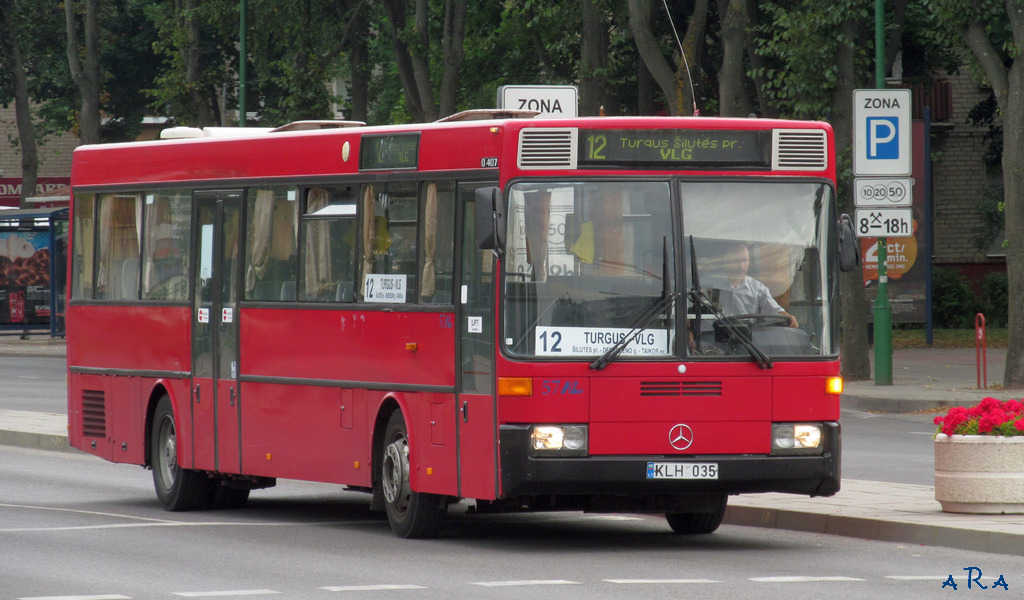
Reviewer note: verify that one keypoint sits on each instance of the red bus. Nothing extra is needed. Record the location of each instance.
(521, 313)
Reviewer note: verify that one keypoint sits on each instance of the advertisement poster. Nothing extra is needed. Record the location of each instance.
(24, 278)
(906, 258)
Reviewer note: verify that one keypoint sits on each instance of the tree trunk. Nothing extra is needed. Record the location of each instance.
(359, 58)
(758, 65)
(593, 59)
(1013, 199)
(647, 46)
(22, 106)
(1008, 88)
(856, 364)
(395, 10)
(732, 94)
(85, 70)
(193, 67)
(688, 71)
(454, 54)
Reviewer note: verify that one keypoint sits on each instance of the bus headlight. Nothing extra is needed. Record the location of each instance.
(798, 438)
(562, 440)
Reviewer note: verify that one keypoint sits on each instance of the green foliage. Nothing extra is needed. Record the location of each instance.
(954, 305)
(996, 298)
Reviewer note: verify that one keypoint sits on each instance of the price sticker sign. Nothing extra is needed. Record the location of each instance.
(884, 222)
(882, 192)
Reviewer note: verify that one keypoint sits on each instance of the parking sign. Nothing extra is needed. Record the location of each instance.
(881, 132)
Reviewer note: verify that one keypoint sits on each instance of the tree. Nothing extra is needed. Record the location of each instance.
(84, 60)
(994, 33)
(677, 84)
(413, 45)
(14, 68)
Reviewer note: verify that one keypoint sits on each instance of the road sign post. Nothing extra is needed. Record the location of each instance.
(881, 135)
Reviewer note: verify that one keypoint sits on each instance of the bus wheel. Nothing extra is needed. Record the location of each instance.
(698, 522)
(411, 514)
(177, 488)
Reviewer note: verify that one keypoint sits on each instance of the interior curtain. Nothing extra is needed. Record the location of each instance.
(429, 286)
(537, 218)
(318, 245)
(369, 235)
(262, 236)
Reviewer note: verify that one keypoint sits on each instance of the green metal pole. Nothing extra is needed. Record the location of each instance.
(882, 310)
(241, 64)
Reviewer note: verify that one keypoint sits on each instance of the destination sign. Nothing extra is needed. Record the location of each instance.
(399, 151)
(675, 147)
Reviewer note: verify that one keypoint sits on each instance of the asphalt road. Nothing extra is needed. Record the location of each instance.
(75, 526)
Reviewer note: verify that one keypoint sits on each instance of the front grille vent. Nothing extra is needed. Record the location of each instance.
(799, 149)
(547, 148)
(679, 389)
(94, 414)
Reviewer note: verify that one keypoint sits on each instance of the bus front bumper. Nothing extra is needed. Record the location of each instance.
(525, 475)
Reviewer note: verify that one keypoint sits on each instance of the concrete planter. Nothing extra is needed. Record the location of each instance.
(981, 474)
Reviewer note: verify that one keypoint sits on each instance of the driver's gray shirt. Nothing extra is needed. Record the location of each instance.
(750, 297)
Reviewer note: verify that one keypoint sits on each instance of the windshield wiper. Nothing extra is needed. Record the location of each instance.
(664, 303)
(701, 301)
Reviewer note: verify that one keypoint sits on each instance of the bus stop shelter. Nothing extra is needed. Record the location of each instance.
(33, 272)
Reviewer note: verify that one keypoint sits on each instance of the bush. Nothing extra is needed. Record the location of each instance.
(996, 298)
(953, 303)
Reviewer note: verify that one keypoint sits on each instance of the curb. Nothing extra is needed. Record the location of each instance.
(36, 441)
(876, 529)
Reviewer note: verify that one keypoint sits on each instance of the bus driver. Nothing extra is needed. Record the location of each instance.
(741, 294)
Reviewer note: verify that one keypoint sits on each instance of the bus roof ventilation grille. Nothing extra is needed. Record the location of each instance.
(94, 414)
(680, 389)
(547, 148)
(799, 149)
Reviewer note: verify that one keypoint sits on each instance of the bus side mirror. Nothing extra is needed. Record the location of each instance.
(849, 252)
(490, 219)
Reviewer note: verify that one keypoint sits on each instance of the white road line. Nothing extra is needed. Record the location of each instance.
(525, 582)
(801, 579)
(112, 597)
(225, 593)
(662, 581)
(371, 588)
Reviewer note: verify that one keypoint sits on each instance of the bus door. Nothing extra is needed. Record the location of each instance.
(215, 401)
(475, 401)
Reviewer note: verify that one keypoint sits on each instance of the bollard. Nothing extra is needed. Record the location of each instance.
(980, 358)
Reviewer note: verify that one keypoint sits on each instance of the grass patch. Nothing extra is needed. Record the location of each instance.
(946, 338)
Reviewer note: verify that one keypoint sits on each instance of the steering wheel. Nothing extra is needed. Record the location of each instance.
(760, 320)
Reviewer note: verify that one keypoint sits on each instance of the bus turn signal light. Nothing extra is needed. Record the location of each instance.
(515, 386)
(834, 385)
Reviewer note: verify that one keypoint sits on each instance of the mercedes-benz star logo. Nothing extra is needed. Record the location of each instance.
(680, 436)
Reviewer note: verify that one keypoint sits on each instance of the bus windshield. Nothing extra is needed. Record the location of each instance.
(590, 265)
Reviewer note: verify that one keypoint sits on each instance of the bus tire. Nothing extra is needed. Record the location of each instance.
(177, 488)
(410, 514)
(698, 522)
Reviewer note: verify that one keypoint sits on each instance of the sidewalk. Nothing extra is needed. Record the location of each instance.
(922, 379)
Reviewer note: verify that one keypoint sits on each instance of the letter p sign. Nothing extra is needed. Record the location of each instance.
(883, 138)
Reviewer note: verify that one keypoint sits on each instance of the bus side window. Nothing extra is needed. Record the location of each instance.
(271, 264)
(83, 259)
(389, 221)
(438, 253)
(166, 246)
(117, 277)
(329, 231)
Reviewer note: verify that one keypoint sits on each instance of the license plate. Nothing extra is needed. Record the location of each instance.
(670, 470)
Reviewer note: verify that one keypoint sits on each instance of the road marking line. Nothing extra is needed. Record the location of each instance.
(113, 597)
(524, 582)
(656, 581)
(372, 588)
(226, 593)
(801, 579)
